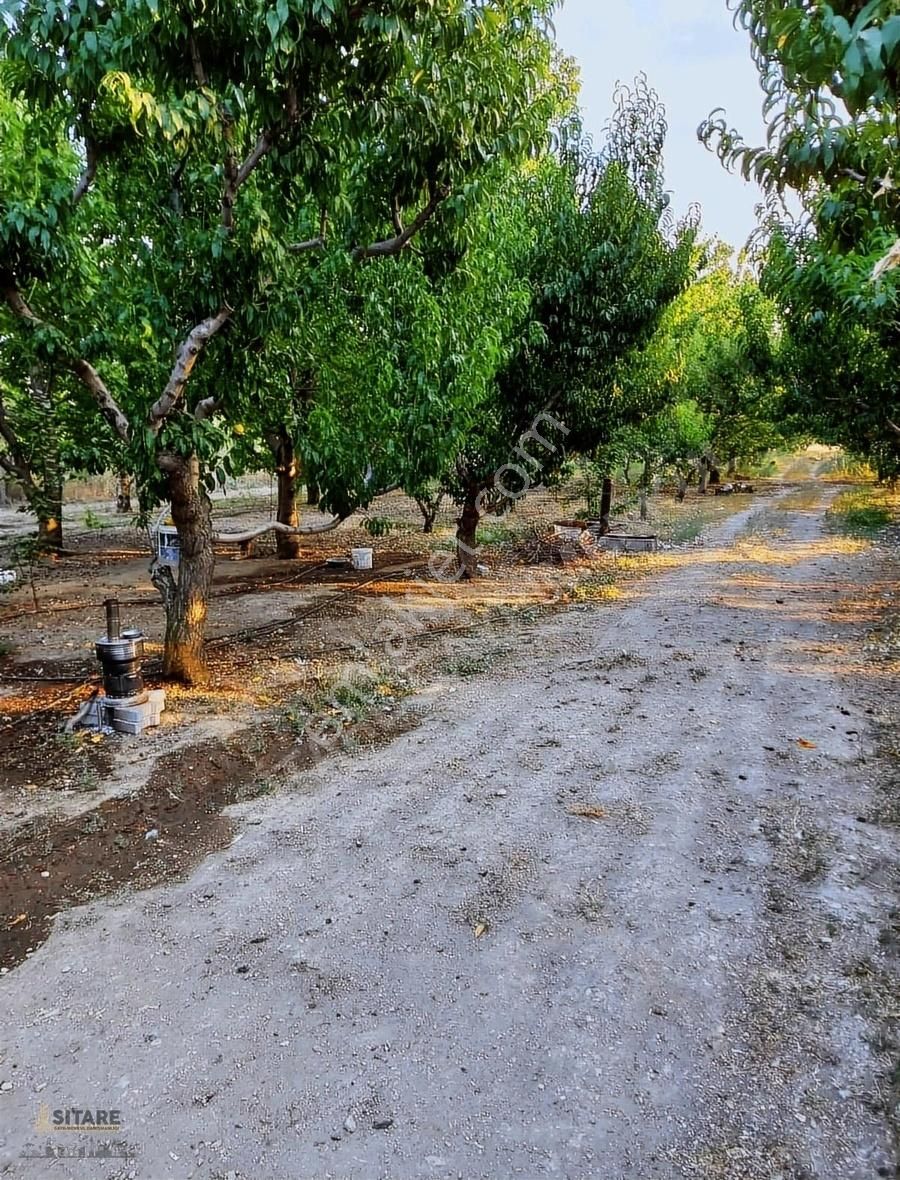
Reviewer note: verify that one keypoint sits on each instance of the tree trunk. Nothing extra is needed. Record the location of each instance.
(50, 533)
(187, 596)
(732, 465)
(646, 485)
(49, 506)
(606, 497)
(123, 492)
(429, 509)
(466, 536)
(286, 470)
(627, 471)
(312, 490)
(681, 491)
(703, 480)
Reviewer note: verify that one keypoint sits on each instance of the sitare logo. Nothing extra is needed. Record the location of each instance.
(78, 1118)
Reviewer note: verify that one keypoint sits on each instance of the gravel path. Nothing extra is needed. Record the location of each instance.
(422, 962)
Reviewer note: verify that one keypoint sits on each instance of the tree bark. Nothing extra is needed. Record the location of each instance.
(606, 496)
(681, 491)
(703, 480)
(467, 535)
(186, 596)
(732, 465)
(50, 532)
(47, 505)
(646, 485)
(429, 509)
(312, 491)
(287, 546)
(123, 492)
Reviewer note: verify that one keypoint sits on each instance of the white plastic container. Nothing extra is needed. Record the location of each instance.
(569, 530)
(168, 545)
(361, 558)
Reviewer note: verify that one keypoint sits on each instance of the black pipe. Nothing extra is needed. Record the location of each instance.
(112, 618)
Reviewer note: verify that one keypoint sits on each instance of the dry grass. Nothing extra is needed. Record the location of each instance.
(587, 811)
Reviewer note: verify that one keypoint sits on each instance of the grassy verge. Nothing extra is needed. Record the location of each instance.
(864, 512)
(337, 699)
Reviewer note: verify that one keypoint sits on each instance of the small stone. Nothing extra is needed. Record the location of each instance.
(382, 1124)
(349, 1124)
(45, 873)
(153, 834)
(6, 1086)
(501, 794)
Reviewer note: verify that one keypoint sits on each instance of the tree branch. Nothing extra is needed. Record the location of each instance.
(317, 243)
(276, 527)
(6, 462)
(395, 216)
(164, 580)
(197, 62)
(236, 176)
(85, 180)
(398, 243)
(175, 181)
(197, 339)
(83, 370)
(206, 408)
(309, 244)
(11, 461)
(893, 426)
(89, 377)
(229, 192)
(17, 304)
(261, 148)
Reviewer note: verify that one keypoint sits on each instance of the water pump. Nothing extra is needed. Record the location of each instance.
(120, 654)
(126, 705)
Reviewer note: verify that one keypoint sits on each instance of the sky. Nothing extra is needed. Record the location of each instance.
(696, 60)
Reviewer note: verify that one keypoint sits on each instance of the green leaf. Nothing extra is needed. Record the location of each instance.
(890, 34)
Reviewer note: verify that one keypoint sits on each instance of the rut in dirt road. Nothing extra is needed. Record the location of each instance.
(609, 915)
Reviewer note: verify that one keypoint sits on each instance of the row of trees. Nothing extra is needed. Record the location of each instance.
(830, 75)
(365, 244)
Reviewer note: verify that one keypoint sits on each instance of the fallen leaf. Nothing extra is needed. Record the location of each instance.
(805, 745)
(588, 811)
(481, 928)
(16, 921)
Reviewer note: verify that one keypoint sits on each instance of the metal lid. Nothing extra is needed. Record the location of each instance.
(119, 649)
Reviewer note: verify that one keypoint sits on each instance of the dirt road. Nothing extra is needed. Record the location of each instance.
(423, 962)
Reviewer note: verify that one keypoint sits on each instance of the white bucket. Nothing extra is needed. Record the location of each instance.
(168, 545)
(361, 558)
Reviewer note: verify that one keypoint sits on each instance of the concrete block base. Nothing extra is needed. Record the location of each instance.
(619, 543)
(132, 716)
(135, 717)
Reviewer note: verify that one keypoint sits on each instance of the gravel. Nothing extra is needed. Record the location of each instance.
(595, 917)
